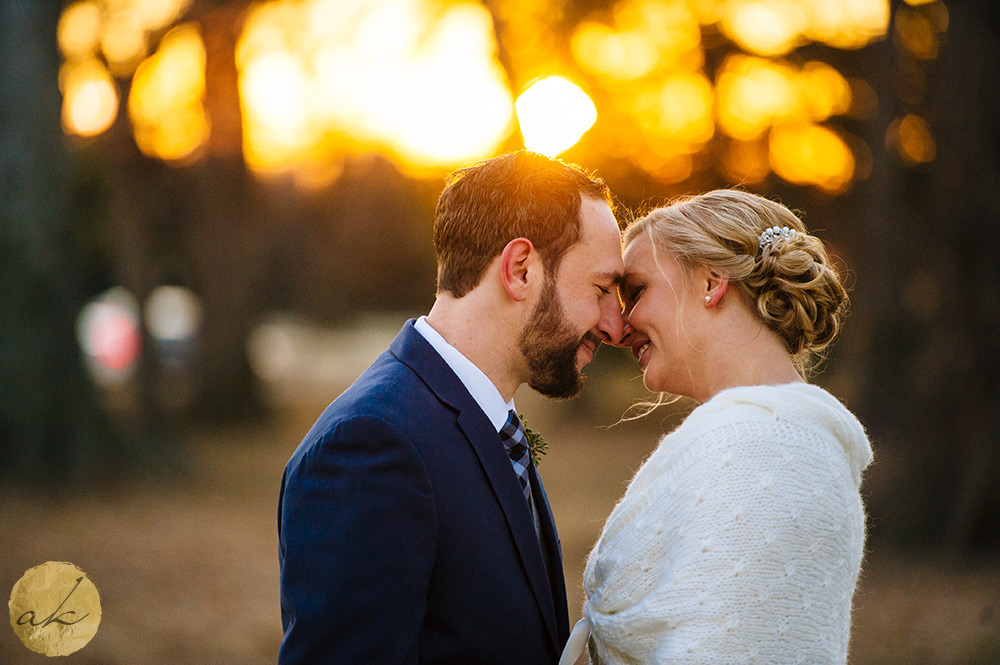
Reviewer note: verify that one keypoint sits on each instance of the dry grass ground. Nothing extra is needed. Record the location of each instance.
(187, 569)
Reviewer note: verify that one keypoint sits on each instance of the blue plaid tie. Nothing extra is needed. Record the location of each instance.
(512, 435)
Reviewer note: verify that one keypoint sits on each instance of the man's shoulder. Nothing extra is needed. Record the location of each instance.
(388, 394)
(387, 386)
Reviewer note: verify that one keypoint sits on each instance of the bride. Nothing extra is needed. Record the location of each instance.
(740, 539)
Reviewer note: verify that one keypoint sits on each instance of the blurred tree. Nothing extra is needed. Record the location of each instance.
(49, 423)
(938, 400)
(922, 339)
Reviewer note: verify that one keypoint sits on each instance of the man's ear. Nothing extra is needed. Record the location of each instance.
(716, 284)
(517, 260)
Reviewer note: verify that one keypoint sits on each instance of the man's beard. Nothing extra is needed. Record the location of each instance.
(549, 346)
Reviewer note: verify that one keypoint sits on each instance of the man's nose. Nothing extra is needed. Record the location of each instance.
(612, 327)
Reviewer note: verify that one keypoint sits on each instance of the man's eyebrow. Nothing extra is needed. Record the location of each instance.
(614, 278)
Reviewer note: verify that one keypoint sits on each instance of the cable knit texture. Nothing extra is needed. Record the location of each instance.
(739, 540)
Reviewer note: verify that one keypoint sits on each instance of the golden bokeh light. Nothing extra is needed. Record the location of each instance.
(847, 24)
(271, 27)
(115, 30)
(421, 81)
(123, 42)
(418, 81)
(79, 30)
(753, 93)
(174, 76)
(617, 55)
(775, 27)
(165, 103)
(680, 110)
(530, 39)
(90, 98)
(808, 154)
(646, 37)
(910, 137)
(471, 110)
(554, 113)
(765, 27)
(671, 25)
(670, 108)
(707, 12)
(155, 15)
(824, 91)
(274, 98)
(175, 137)
(915, 31)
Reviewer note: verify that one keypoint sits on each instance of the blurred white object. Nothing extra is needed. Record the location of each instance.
(173, 313)
(297, 359)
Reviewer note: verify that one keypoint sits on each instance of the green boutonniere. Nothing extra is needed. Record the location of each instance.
(537, 447)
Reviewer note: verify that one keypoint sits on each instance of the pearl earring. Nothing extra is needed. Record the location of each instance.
(708, 300)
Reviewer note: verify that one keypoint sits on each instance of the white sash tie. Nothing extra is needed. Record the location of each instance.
(577, 642)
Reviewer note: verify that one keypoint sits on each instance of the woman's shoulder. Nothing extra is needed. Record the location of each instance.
(782, 417)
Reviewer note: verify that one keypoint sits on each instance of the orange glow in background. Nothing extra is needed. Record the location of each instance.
(165, 104)
(411, 78)
(422, 82)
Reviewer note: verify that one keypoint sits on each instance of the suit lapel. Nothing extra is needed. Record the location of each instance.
(507, 489)
(551, 536)
(412, 349)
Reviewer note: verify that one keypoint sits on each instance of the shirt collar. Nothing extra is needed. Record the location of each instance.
(475, 381)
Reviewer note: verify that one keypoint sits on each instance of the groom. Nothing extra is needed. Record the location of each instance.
(413, 527)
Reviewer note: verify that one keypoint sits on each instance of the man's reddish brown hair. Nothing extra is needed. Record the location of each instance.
(517, 195)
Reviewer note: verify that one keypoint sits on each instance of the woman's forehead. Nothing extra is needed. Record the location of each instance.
(643, 263)
(638, 256)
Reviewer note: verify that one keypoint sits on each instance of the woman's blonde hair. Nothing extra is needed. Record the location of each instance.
(789, 281)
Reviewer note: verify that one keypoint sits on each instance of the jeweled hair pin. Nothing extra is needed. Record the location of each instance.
(768, 236)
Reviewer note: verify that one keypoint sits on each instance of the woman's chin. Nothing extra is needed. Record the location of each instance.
(652, 382)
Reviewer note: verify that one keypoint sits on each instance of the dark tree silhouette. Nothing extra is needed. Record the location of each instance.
(49, 423)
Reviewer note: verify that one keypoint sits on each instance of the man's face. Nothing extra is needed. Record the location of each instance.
(578, 308)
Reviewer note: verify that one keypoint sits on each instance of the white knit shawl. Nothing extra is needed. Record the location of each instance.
(739, 540)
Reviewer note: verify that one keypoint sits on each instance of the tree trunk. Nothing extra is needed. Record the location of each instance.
(50, 426)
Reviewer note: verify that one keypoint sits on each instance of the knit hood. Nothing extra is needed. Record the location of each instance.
(804, 404)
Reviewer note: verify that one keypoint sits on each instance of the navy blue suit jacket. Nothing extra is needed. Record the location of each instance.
(404, 536)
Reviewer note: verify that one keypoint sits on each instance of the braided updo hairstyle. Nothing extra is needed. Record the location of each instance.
(790, 281)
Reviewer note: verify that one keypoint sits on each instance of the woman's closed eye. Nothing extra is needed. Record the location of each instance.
(630, 295)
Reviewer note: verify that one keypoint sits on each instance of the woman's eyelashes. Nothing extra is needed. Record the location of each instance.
(630, 294)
